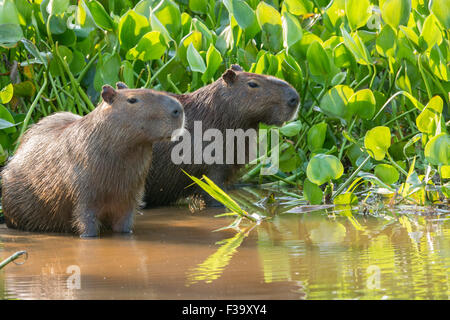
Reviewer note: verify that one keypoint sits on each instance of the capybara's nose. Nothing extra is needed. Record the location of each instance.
(293, 98)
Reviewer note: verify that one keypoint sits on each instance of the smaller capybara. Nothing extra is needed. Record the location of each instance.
(82, 174)
(237, 100)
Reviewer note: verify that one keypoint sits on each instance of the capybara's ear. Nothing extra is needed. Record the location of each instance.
(120, 85)
(229, 76)
(108, 93)
(236, 67)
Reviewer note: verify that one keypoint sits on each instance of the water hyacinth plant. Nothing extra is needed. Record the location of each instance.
(373, 77)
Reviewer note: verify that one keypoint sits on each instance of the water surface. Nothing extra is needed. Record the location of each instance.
(174, 254)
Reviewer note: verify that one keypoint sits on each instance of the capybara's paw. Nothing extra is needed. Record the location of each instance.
(89, 234)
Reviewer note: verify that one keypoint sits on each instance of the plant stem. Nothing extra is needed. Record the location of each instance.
(30, 111)
(347, 182)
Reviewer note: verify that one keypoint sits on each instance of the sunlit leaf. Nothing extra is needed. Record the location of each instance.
(395, 12)
(100, 16)
(362, 103)
(132, 27)
(292, 30)
(377, 141)
(387, 173)
(357, 12)
(437, 150)
(335, 101)
(428, 119)
(269, 20)
(6, 93)
(150, 47)
(324, 168)
(441, 10)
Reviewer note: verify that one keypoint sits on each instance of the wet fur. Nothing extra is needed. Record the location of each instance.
(75, 174)
(220, 105)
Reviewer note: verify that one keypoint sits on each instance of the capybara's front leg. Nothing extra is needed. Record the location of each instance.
(85, 221)
(124, 224)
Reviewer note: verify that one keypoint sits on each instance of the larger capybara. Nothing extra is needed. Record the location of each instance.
(237, 100)
(80, 174)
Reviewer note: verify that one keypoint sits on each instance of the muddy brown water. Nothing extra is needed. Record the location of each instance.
(174, 254)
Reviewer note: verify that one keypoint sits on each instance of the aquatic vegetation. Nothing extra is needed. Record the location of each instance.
(373, 77)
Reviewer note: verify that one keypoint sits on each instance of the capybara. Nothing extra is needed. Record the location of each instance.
(82, 174)
(237, 100)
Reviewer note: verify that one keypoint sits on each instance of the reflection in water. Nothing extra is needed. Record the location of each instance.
(322, 254)
(213, 266)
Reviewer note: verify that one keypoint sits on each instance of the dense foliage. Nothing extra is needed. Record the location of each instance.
(373, 77)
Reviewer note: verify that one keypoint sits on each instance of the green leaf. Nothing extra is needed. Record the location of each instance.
(437, 150)
(132, 27)
(78, 62)
(57, 6)
(319, 63)
(377, 141)
(312, 192)
(324, 168)
(5, 115)
(57, 25)
(269, 20)
(6, 93)
(334, 102)
(195, 60)
(9, 13)
(289, 159)
(386, 43)
(299, 7)
(292, 30)
(150, 47)
(198, 6)
(395, 12)
(356, 47)
(342, 57)
(168, 13)
(363, 104)
(441, 10)
(213, 61)
(438, 64)
(10, 34)
(242, 12)
(291, 129)
(127, 73)
(156, 25)
(195, 37)
(6, 124)
(100, 16)
(316, 136)
(387, 173)
(358, 12)
(431, 33)
(428, 119)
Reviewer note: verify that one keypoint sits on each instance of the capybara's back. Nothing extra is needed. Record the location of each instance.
(78, 174)
(30, 198)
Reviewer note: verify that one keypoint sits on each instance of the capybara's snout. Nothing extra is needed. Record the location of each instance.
(175, 113)
(292, 97)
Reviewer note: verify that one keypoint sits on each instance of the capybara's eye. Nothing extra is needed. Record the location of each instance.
(132, 100)
(252, 84)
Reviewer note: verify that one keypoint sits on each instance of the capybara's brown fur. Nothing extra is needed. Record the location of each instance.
(237, 100)
(77, 174)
